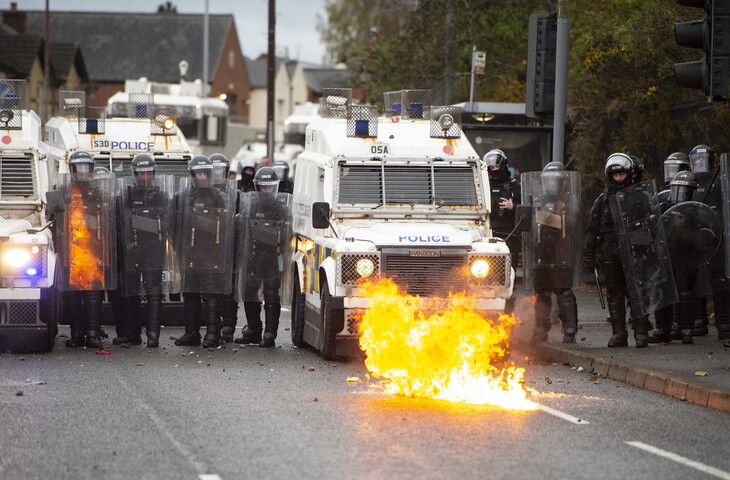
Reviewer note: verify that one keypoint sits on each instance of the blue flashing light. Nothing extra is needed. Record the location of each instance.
(92, 125)
(31, 271)
(396, 108)
(416, 110)
(140, 111)
(362, 127)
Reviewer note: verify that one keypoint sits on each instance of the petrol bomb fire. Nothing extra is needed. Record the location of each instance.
(452, 354)
(86, 270)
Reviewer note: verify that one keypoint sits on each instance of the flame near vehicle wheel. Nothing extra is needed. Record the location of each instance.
(454, 354)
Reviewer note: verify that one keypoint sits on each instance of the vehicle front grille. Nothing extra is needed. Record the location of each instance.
(427, 276)
(19, 313)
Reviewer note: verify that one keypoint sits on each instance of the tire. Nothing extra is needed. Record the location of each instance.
(297, 315)
(49, 311)
(330, 319)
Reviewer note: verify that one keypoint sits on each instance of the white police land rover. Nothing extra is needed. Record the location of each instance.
(403, 196)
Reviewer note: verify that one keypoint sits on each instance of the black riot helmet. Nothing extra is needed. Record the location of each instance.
(701, 158)
(201, 169)
(220, 166)
(282, 169)
(682, 187)
(675, 163)
(619, 163)
(553, 178)
(143, 168)
(81, 163)
(266, 180)
(637, 167)
(497, 165)
(102, 173)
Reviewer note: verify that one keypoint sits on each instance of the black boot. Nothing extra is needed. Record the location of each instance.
(617, 317)
(229, 312)
(127, 314)
(699, 314)
(721, 300)
(271, 312)
(662, 332)
(75, 312)
(212, 323)
(191, 312)
(683, 317)
(154, 310)
(92, 307)
(641, 331)
(568, 309)
(542, 316)
(252, 331)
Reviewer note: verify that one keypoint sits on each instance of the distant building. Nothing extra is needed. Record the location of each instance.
(121, 46)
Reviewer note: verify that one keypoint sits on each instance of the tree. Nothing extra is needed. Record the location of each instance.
(167, 7)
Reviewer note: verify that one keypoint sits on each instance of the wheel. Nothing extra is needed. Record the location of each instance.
(49, 310)
(297, 314)
(329, 326)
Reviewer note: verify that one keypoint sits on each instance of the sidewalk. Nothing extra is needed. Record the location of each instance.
(698, 373)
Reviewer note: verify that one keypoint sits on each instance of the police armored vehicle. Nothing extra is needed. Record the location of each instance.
(403, 196)
(28, 298)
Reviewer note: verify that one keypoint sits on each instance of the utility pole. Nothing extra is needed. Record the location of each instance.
(561, 82)
(45, 100)
(205, 50)
(270, 73)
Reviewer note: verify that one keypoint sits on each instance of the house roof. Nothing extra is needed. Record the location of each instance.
(18, 52)
(63, 56)
(256, 72)
(319, 78)
(121, 46)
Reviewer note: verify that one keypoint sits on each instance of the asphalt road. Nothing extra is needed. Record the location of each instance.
(237, 413)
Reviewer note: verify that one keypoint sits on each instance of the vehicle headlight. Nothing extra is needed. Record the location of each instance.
(24, 261)
(365, 267)
(480, 268)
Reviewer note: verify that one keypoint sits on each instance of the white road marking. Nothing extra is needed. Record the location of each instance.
(198, 466)
(564, 416)
(715, 472)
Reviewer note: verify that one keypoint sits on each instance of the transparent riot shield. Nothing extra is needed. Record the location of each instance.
(264, 261)
(551, 249)
(86, 234)
(725, 189)
(145, 237)
(694, 232)
(205, 236)
(643, 248)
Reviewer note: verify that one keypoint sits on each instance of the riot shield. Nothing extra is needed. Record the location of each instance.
(643, 248)
(264, 251)
(693, 232)
(205, 237)
(551, 249)
(725, 189)
(86, 234)
(145, 237)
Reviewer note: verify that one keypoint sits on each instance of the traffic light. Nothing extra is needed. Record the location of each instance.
(712, 34)
(541, 48)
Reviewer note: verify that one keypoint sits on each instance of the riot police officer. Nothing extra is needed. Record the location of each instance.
(505, 195)
(227, 305)
(550, 249)
(206, 249)
(702, 161)
(248, 171)
(146, 233)
(282, 170)
(266, 220)
(85, 233)
(602, 236)
(674, 163)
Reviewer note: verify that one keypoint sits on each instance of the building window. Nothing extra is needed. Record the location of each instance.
(231, 59)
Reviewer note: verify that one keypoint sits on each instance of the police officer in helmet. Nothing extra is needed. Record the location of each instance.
(282, 170)
(505, 195)
(220, 166)
(265, 239)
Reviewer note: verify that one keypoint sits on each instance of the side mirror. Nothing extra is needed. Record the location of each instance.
(523, 218)
(320, 215)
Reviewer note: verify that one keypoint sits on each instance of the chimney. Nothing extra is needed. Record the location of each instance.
(15, 18)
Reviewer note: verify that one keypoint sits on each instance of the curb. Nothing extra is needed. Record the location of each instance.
(696, 393)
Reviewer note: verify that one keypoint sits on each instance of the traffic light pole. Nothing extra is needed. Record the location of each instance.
(561, 83)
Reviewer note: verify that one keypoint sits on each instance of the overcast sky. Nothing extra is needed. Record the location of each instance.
(296, 22)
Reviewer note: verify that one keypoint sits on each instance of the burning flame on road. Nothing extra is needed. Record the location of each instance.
(86, 269)
(452, 354)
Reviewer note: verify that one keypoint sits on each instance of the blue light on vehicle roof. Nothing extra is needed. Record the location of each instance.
(31, 271)
(140, 111)
(396, 108)
(416, 110)
(92, 125)
(361, 128)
